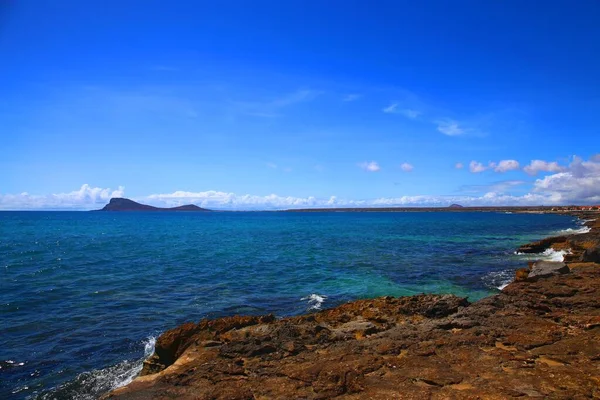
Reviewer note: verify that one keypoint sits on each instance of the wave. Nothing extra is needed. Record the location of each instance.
(315, 301)
(499, 279)
(554, 255)
(546, 255)
(91, 385)
(571, 231)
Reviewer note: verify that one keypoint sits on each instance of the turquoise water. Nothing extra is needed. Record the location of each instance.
(84, 294)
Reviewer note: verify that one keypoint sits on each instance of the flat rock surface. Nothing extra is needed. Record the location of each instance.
(536, 339)
(544, 269)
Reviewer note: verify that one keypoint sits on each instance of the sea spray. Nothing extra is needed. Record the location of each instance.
(571, 231)
(315, 301)
(92, 384)
(547, 255)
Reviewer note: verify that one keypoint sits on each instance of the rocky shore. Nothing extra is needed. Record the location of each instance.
(539, 337)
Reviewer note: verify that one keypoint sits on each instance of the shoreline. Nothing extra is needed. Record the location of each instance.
(518, 342)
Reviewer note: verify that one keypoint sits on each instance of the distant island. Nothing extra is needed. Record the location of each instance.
(122, 204)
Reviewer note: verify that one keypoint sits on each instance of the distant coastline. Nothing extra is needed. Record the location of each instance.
(455, 208)
(127, 205)
(123, 204)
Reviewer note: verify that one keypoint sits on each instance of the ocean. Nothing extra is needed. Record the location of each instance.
(83, 295)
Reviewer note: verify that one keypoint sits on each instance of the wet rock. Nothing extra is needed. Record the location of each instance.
(590, 255)
(544, 269)
(542, 245)
(432, 306)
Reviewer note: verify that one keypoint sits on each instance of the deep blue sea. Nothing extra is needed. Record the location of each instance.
(84, 294)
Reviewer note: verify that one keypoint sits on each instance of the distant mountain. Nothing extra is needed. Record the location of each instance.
(120, 204)
(455, 206)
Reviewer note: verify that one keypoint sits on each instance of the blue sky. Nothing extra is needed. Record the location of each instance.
(269, 104)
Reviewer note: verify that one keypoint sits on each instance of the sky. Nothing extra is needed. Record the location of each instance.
(274, 105)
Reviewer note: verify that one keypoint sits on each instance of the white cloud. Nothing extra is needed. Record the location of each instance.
(507, 165)
(272, 165)
(407, 112)
(391, 109)
(450, 128)
(595, 158)
(501, 166)
(351, 97)
(223, 200)
(372, 166)
(459, 165)
(231, 201)
(85, 198)
(542, 166)
(94, 198)
(579, 182)
(476, 167)
(406, 167)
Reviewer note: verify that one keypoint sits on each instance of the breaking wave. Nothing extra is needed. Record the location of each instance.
(91, 385)
(315, 301)
(546, 255)
(571, 231)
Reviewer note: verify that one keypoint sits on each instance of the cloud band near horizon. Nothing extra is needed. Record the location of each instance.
(577, 183)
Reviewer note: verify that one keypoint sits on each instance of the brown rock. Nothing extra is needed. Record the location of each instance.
(590, 255)
(542, 245)
(544, 269)
(538, 338)
(534, 339)
(521, 274)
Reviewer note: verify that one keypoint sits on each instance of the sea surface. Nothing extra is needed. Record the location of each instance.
(83, 295)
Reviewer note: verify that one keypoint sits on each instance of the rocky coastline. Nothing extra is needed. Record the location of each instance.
(539, 337)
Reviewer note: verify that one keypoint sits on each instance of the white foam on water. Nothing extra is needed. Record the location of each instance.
(555, 255)
(315, 301)
(91, 385)
(546, 255)
(20, 389)
(571, 231)
(499, 279)
(149, 345)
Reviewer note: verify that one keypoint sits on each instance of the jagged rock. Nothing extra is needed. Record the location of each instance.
(590, 255)
(542, 245)
(522, 274)
(171, 344)
(544, 269)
